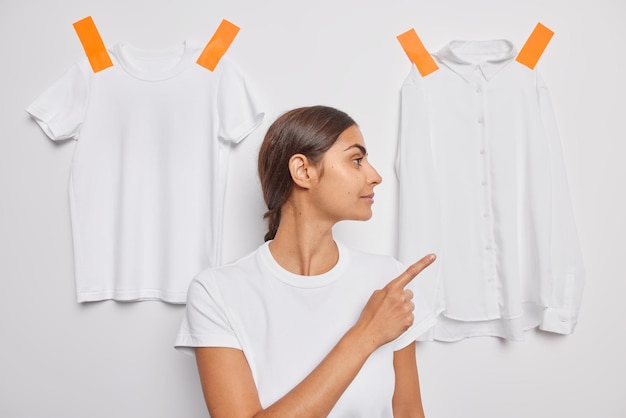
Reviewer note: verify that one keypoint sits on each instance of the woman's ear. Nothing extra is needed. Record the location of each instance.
(302, 171)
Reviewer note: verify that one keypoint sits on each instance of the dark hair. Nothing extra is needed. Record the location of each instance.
(309, 131)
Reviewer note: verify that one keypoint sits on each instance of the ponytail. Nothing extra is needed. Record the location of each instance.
(273, 220)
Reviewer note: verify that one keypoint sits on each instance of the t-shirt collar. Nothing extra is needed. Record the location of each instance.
(154, 65)
(304, 282)
(464, 57)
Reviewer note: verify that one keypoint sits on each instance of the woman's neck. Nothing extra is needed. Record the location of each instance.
(303, 245)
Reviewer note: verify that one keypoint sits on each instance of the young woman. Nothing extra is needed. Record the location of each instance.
(305, 326)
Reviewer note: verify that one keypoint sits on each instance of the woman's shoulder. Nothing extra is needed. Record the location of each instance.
(371, 260)
(236, 270)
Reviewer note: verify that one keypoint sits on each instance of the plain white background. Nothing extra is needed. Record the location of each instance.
(109, 359)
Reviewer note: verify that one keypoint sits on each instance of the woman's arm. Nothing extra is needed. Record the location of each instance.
(227, 381)
(229, 388)
(407, 399)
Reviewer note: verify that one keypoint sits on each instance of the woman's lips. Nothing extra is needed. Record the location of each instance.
(369, 198)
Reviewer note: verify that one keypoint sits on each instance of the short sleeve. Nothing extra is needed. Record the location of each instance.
(205, 322)
(237, 106)
(60, 109)
(424, 316)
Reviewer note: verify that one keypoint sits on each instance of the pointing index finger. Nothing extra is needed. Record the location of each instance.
(413, 270)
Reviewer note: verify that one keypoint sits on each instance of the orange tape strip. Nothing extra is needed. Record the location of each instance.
(92, 44)
(534, 46)
(218, 45)
(414, 48)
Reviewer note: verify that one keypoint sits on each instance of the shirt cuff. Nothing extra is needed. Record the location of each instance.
(559, 321)
(187, 343)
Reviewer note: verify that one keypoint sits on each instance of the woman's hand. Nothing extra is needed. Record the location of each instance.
(389, 311)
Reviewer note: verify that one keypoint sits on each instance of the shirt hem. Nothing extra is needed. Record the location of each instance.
(187, 343)
(132, 296)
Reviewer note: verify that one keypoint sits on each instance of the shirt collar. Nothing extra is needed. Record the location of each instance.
(463, 57)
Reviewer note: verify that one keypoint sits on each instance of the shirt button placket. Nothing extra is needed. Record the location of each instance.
(489, 258)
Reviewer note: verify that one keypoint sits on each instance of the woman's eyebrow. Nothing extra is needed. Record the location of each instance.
(359, 146)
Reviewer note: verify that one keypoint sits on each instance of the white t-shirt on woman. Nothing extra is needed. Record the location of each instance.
(286, 323)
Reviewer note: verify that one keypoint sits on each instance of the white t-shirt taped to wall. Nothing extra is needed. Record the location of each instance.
(286, 324)
(149, 169)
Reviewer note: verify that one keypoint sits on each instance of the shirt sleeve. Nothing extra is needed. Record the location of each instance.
(419, 215)
(237, 106)
(563, 292)
(205, 322)
(60, 109)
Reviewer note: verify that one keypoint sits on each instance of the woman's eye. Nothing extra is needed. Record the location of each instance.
(357, 161)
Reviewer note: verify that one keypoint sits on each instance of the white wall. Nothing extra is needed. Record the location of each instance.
(108, 359)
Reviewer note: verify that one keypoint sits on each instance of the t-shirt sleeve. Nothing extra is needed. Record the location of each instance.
(205, 322)
(60, 109)
(424, 316)
(237, 106)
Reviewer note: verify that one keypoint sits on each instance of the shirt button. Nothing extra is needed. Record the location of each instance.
(478, 90)
(482, 151)
(488, 247)
(485, 215)
(480, 120)
(483, 183)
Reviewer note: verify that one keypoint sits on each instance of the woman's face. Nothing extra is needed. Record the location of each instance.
(345, 189)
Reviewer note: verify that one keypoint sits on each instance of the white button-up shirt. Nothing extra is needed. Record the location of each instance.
(482, 183)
